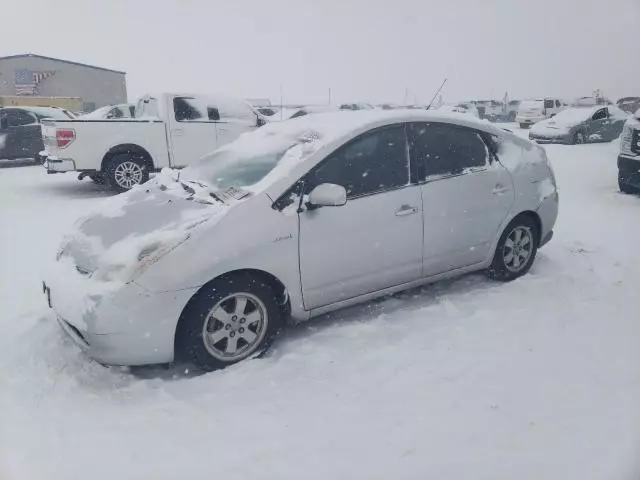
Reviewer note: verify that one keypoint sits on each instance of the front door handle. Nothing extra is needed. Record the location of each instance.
(178, 132)
(406, 210)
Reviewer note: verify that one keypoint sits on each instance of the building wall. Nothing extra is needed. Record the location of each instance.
(95, 87)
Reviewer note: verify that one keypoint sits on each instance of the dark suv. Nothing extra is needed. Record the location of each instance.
(20, 133)
(629, 157)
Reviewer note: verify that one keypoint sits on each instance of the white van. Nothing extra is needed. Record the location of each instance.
(532, 111)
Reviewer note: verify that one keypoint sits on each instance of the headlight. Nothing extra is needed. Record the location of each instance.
(127, 268)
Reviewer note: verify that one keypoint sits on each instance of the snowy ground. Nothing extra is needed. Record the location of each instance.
(466, 379)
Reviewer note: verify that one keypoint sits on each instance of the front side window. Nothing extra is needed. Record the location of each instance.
(187, 110)
(557, 103)
(548, 104)
(441, 149)
(374, 162)
(600, 114)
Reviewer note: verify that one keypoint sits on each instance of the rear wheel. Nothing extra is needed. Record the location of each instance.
(234, 318)
(516, 250)
(525, 126)
(124, 171)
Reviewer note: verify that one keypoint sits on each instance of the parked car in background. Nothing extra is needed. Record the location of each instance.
(294, 220)
(169, 130)
(629, 156)
(112, 112)
(302, 111)
(533, 111)
(629, 104)
(356, 106)
(456, 109)
(20, 130)
(470, 108)
(580, 125)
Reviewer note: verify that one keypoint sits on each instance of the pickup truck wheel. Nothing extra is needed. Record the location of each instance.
(124, 171)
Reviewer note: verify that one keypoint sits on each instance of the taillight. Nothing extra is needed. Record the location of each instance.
(64, 136)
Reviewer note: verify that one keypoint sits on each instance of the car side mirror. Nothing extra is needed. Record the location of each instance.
(327, 195)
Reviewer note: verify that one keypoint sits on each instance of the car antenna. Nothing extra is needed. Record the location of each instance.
(436, 94)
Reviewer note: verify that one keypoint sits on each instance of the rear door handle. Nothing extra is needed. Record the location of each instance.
(405, 210)
(178, 132)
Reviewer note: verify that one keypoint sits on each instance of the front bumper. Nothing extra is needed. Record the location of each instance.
(128, 326)
(629, 170)
(529, 120)
(564, 139)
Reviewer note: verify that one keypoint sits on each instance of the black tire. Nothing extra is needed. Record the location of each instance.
(578, 138)
(504, 269)
(128, 161)
(97, 179)
(190, 342)
(525, 126)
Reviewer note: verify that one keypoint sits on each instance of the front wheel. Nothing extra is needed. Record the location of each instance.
(516, 250)
(577, 138)
(232, 319)
(123, 172)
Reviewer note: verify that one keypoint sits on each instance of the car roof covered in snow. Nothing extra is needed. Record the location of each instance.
(335, 126)
(49, 112)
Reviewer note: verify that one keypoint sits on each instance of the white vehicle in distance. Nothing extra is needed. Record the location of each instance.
(294, 220)
(533, 111)
(470, 108)
(169, 130)
(456, 109)
(122, 111)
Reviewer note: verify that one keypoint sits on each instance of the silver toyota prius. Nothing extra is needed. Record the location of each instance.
(294, 220)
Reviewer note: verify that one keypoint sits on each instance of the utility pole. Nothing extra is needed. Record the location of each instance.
(329, 95)
(280, 102)
(406, 95)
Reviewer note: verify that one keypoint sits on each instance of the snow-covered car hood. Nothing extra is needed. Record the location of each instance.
(149, 217)
(551, 127)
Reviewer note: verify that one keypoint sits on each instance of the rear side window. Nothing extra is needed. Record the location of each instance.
(17, 118)
(558, 103)
(600, 114)
(187, 110)
(375, 162)
(441, 149)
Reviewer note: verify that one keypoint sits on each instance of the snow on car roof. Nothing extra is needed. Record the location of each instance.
(328, 127)
(51, 112)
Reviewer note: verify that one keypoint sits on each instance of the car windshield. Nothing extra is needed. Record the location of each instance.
(225, 168)
(531, 105)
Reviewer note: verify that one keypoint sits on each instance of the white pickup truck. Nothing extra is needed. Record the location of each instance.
(168, 130)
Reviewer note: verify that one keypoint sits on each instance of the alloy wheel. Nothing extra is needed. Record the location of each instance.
(235, 326)
(128, 174)
(517, 249)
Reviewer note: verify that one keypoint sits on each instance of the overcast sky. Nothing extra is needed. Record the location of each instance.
(367, 50)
